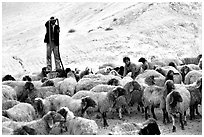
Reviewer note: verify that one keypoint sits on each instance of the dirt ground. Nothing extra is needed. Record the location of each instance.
(194, 127)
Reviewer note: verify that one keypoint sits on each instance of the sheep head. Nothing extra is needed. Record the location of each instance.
(199, 84)
(26, 78)
(52, 117)
(8, 77)
(113, 82)
(29, 87)
(66, 113)
(48, 83)
(87, 102)
(169, 86)
(150, 128)
(39, 106)
(170, 75)
(174, 98)
(150, 80)
(199, 57)
(142, 59)
(44, 71)
(184, 71)
(24, 130)
(131, 86)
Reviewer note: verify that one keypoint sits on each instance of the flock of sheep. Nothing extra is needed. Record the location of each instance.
(40, 105)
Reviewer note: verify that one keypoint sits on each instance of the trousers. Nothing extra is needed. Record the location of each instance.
(51, 47)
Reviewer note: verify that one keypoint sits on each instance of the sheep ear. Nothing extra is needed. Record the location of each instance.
(84, 102)
(171, 99)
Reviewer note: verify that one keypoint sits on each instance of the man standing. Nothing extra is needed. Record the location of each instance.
(52, 40)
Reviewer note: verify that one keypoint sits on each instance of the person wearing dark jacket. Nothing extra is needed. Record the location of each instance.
(52, 40)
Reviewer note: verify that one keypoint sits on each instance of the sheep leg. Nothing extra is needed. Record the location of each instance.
(105, 124)
(165, 116)
(196, 107)
(185, 121)
(174, 127)
(181, 122)
(146, 113)
(120, 113)
(153, 114)
(192, 112)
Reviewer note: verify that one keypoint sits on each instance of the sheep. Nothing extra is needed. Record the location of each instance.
(154, 96)
(68, 85)
(177, 78)
(193, 60)
(26, 78)
(107, 65)
(200, 63)
(89, 81)
(8, 77)
(42, 126)
(5, 119)
(20, 112)
(14, 84)
(104, 71)
(77, 125)
(132, 96)
(42, 74)
(146, 64)
(178, 101)
(114, 73)
(55, 102)
(8, 93)
(102, 88)
(9, 104)
(120, 70)
(24, 130)
(158, 77)
(113, 82)
(41, 92)
(104, 100)
(165, 61)
(195, 90)
(126, 79)
(85, 72)
(192, 76)
(149, 127)
(48, 83)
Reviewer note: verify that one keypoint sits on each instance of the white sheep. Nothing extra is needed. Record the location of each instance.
(89, 81)
(126, 79)
(14, 84)
(159, 78)
(77, 125)
(8, 93)
(68, 85)
(41, 126)
(177, 77)
(55, 102)
(102, 88)
(149, 127)
(104, 100)
(178, 101)
(9, 104)
(195, 90)
(20, 112)
(192, 76)
(154, 96)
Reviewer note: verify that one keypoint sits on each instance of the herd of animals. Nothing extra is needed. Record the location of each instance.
(37, 104)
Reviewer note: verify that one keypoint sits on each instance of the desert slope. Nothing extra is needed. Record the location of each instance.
(104, 32)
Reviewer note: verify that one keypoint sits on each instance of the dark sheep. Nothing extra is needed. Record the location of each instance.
(192, 60)
(8, 77)
(113, 82)
(120, 70)
(184, 71)
(24, 130)
(48, 83)
(173, 64)
(26, 78)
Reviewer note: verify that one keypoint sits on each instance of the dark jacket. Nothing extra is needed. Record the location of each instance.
(55, 36)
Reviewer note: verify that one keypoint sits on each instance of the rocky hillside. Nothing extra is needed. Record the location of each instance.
(96, 33)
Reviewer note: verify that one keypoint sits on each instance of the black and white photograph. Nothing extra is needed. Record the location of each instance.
(101, 68)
